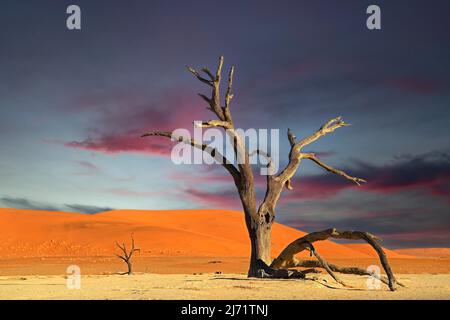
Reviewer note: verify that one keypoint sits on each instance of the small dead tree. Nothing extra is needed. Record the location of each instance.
(127, 255)
(259, 219)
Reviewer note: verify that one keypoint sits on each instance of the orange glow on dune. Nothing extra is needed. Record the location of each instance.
(196, 233)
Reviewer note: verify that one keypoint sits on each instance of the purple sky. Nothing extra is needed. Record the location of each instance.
(73, 104)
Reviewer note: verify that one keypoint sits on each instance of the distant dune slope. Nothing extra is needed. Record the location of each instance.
(426, 252)
(32, 233)
(367, 249)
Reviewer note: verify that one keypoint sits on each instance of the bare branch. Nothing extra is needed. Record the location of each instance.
(211, 151)
(329, 127)
(214, 82)
(219, 69)
(216, 92)
(229, 96)
(268, 158)
(133, 249)
(213, 123)
(312, 157)
(291, 137)
(295, 155)
(122, 248)
(208, 100)
(121, 257)
(325, 265)
(206, 70)
(199, 77)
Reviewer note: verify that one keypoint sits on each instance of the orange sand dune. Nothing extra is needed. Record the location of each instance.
(32, 233)
(367, 249)
(426, 252)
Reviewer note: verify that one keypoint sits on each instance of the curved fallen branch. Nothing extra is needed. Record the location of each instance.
(287, 259)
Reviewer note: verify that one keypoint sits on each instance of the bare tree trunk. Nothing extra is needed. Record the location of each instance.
(130, 267)
(260, 238)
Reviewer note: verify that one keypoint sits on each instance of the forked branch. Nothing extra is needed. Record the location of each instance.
(277, 183)
(327, 128)
(295, 154)
(214, 82)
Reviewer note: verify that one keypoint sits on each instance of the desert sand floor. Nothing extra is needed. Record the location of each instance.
(218, 286)
(189, 265)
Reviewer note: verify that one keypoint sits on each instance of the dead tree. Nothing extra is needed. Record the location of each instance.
(127, 255)
(259, 219)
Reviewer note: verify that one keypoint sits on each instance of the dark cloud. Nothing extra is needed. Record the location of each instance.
(429, 172)
(87, 209)
(22, 203)
(410, 219)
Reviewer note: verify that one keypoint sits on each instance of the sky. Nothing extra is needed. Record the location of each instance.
(73, 104)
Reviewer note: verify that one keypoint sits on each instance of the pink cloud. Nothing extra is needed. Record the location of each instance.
(202, 176)
(118, 126)
(131, 193)
(121, 143)
(224, 199)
